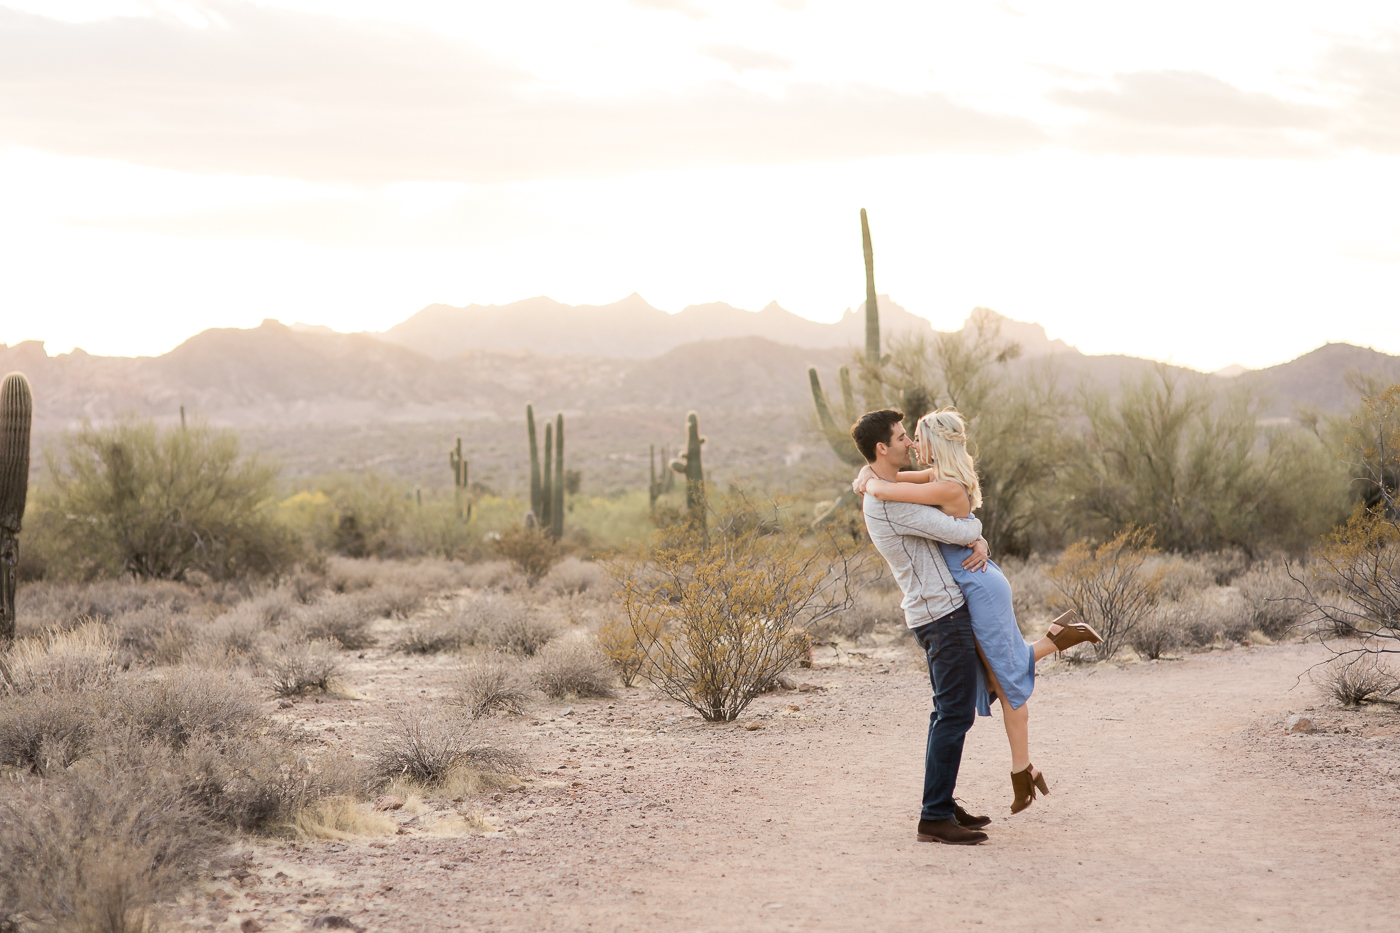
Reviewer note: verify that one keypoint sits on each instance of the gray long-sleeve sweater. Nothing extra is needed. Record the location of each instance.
(906, 535)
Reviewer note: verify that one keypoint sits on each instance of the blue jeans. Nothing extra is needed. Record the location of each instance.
(952, 668)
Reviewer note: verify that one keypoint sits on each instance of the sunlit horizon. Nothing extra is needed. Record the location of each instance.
(1188, 183)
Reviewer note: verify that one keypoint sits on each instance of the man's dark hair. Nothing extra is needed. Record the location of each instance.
(875, 427)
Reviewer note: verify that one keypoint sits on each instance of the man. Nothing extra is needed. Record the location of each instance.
(906, 536)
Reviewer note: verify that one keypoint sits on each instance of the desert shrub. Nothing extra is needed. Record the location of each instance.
(494, 575)
(1356, 679)
(44, 732)
(234, 638)
(70, 661)
(185, 703)
(1153, 637)
(731, 607)
(573, 667)
(499, 621)
(1032, 592)
(489, 686)
(98, 851)
(274, 607)
(626, 647)
(153, 635)
(297, 667)
(869, 611)
(1108, 586)
(1205, 616)
(1356, 587)
(428, 751)
(391, 602)
(344, 619)
(160, 504)
(574, 577)
(1274, 598)
(1179, 578)
(431, 635)
(532, 551)
(48, 606)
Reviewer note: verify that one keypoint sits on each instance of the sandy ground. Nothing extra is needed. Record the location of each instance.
(1178, 803)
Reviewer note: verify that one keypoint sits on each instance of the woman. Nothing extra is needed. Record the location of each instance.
(951, 484)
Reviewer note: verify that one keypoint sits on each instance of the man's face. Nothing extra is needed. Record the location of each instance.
(896, 452)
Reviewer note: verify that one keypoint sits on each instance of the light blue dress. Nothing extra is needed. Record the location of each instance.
(1011, 657)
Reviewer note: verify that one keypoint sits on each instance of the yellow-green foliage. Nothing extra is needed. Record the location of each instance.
(158, 504)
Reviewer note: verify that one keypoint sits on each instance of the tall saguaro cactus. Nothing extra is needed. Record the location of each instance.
(460, 476)
(556, 509)
(16, 415)
(838, 435)
(690, 464)
(535, 505)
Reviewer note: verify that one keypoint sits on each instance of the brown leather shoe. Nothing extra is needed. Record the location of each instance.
(967, 820)
(949, 833)
(1073, 631)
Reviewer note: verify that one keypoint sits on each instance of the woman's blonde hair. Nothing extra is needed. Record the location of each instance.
(942, 439)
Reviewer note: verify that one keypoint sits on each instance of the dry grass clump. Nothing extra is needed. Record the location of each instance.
(1153, 638)
(71, 661)
(1211, 615)
(341, 817)
(431, 636)
(233, 639)
(344, 619)
(499, 575)
(46, 606)
(495, 620)
(298, 667)
(872, 610)
(573, 667)
(425, 577)
(574, 577)
(155, 635)
(44, 732)
(1032, 591)
(428, 751)
(491, 686)
(186, 703)
(96, 852)
(1358, 679)
(1179, 578)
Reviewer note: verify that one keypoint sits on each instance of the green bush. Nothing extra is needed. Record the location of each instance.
(156, 504)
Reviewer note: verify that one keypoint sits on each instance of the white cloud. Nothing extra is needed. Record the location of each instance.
(743, 59)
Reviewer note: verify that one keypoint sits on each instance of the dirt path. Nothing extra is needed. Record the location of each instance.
(1178, 803)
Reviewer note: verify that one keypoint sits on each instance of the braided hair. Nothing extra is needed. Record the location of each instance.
(942, 437)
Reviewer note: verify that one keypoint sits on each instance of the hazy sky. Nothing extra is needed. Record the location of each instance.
(1208, 183)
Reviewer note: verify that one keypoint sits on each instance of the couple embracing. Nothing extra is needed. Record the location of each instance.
(956, 601)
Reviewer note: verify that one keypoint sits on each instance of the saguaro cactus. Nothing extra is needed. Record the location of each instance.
(838, 435)
(556, 508)
(535, 490)
(16, 415)
(690, 464)
(460, 476)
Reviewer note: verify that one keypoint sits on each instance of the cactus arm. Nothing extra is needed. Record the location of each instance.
(534, 461)
(872, 305)
(547, 483)
(16, 417)
(848, 396)
(840, 441)
(557, 508)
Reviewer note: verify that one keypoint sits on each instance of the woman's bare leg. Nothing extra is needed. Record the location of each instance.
(1045, 647)
(1016, 721)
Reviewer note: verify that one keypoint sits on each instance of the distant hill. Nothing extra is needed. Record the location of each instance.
(633, 329)
(320, 400)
